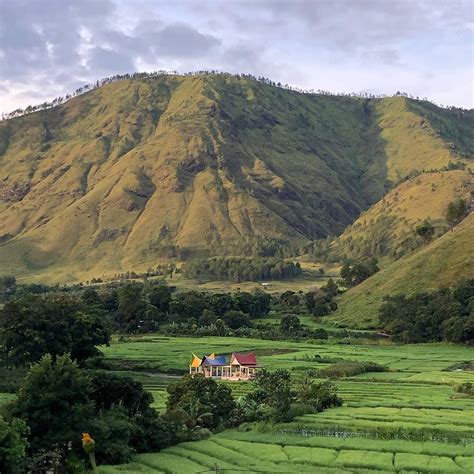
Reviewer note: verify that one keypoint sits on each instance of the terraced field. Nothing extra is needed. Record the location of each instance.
(256, 452)
(409, 419)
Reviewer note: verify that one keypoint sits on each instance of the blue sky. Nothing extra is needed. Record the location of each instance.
(426, 48)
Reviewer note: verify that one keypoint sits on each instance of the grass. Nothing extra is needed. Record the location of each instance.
(407, 420)
(257, 452)
(387, 229)
(446, 260)
(120, 177)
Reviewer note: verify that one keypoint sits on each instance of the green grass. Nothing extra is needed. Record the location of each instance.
(446, 260)
(413, 403)
(257, 452)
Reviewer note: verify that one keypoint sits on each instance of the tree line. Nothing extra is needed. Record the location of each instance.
(241, 269)
(443, 315)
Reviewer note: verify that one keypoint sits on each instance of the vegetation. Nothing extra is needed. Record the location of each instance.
(58, 401)
(56, 324)
(13, 445)
(456, 211)
(200, 402)
(447, 314)
(237, 269)
(349, 369)
(269, 174)
(355, 274)
(389, 229)
(441, 263)
(410, 416)
(322, 160)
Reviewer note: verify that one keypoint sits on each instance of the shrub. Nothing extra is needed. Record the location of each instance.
(350, 368)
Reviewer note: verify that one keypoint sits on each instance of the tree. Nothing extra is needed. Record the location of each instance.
(236, 319)
(159, 295)
(290, 324)
(59, 400)
(331, 288)
(7, 287)
(54, 402)
(456, 211)
(56, 323)
(445, 314)
(197, 396)
(132, 306)
(289, 298)
(13, 446)
(320, 395)
(272, 393)
(147, 431)
(188, 305)
(355, 274)
(425, 231)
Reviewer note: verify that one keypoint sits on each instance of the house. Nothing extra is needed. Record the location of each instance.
(243, 366)
(240, 367)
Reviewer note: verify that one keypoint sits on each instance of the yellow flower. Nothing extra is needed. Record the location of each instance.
(87, 438)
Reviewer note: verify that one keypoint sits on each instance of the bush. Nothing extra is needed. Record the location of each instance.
(200, 402)
(349, 369)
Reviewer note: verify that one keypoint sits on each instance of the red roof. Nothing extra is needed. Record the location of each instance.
(246, 359)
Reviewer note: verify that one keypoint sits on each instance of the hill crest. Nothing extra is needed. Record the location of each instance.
(148, 169)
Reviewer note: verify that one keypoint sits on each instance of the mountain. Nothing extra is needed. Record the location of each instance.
(177, 166)
(387, 230)
(443, 262)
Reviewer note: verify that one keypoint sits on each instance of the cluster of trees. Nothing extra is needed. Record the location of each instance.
(138, 307)
(425, 230)
(59, 322)
(241, 269)
(456, 212)
(321, 302)
(446, 314)
(353, 274)
(259, 246)
(55, 323)
(7, 287)
(273, 398)
(58, 401)
(165, 269)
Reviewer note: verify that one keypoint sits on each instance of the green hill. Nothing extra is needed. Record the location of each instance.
(170, 167)
(387, 230)
(448, 259)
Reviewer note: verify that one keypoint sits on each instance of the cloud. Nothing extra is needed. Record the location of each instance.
(416, 45)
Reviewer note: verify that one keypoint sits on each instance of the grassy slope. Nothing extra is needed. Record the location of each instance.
(387, 229)
(441, 263)
(112, 179)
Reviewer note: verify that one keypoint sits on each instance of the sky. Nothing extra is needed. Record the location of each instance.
(425, 48)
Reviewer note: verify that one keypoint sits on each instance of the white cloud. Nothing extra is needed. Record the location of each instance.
(422, 47)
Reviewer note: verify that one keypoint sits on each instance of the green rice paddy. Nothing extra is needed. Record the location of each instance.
(407, 420)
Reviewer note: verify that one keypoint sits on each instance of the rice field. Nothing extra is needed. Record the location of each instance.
(407, 420)
(256, 452)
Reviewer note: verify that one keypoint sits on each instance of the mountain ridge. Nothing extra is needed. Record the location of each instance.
(171, 167)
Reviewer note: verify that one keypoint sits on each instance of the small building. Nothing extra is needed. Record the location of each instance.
(240, 367)
(243, 365)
